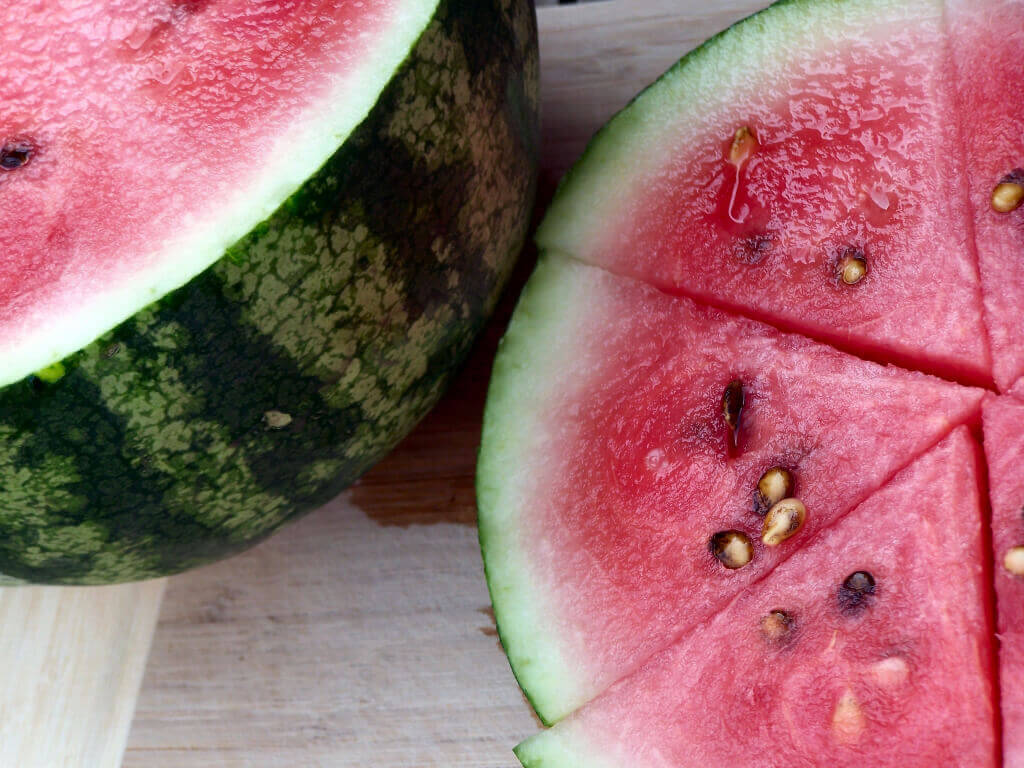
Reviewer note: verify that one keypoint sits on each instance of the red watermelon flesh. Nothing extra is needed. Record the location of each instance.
(209, 138)
(896, 674)
(856, 156)
(614, 473)
(1004, 449)
(988, 45)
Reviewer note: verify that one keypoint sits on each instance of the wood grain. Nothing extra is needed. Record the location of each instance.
(361, 636)
(73, 660)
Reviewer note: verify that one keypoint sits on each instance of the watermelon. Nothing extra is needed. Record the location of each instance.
(726, 354)
(245, 245)
(601, 485)
(870, 646)
(847, 159)
(1004, 449)
(989, 39)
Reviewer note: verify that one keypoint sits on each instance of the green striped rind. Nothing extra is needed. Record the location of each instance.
(272, 380)
(528, 373)
(752, 56)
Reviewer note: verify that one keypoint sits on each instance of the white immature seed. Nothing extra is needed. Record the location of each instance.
(1013, 561)
(783, 520)
(744, 144)
(1007, 196)
(852, 267)
(848, 720)
(277, 419)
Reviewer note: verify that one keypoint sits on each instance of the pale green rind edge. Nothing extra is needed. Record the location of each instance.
(711, 77)
(511, 422)
(314, 136)
(559, 748)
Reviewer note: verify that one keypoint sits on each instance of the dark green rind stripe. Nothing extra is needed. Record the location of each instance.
(270, 382)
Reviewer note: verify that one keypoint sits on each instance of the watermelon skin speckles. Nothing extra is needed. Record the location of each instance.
(269, 382)
(904, 680)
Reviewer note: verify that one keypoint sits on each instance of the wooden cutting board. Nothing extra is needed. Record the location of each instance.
(362, 635)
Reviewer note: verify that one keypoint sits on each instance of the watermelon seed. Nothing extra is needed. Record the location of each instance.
(111, 350)
(1013, 561)
(783, 520)
(847, 718)
(15, 154)
(277, 419)
(856, 592)
(744, 144)
(732, 548)
(732, 410)
(852, 266)
(775, 485)
(1009, 192)
(777, 626)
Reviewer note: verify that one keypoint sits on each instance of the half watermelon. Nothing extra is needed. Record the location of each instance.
(244, 247)
(803, 173)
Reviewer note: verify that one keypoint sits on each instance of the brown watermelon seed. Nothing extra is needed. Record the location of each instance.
(1013, 561)
(856, 592)
(15, 154)
(777, 627)
(732, 410)
(775, 485)
(732, 548)
(851, 265)
(744, 144)
(1009, 192)
(783, 520)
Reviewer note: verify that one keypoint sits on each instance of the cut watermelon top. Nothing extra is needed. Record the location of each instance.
(612, 475)
(208, 139)
(851, 154)
(817, 668)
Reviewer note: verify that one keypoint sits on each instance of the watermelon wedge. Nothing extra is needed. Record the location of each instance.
(868, 647)
(987, 44)
(602, 484)
(846, 164)
(244, 247)
(1004, 449)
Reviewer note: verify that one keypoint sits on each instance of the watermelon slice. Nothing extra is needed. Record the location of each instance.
(602, 483)
(988, 44)
(244, 247)
(1004, 449)
(868, 647)
(801, 168)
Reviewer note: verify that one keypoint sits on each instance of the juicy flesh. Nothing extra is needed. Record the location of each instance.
(638, 473)
(159, 114)
(829, 688)
(990, 40)
(1004, 448)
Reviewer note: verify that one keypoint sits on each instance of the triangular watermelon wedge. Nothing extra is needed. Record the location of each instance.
(870, 647)
(799, 150)
(607, 467)
(987, 39)
(1004, 449)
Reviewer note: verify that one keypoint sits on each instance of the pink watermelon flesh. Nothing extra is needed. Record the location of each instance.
(900, 677)
(1004, 449)
(210, 111)
(857, 154)
(625, 472)
(988, 48)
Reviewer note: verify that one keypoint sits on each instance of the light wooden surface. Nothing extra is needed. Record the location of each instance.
(361, 636)
(72, 663)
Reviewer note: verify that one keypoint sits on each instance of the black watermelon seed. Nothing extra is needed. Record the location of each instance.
(15, 154)
(856, 592)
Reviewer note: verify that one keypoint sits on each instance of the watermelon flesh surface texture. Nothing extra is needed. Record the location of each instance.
(271, 379)
(900, 676)
(850, 107)
(988, 42)
(601, 483)
(1004, 449)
